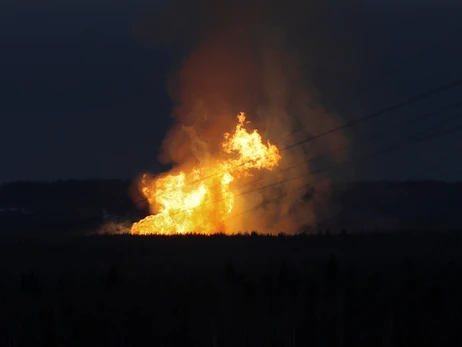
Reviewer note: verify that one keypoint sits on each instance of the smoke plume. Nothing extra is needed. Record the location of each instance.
(264, 58)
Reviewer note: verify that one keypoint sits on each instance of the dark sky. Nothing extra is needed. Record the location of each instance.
(83, 97)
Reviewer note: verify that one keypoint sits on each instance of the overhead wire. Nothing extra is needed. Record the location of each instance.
(375, 135)
(412, 59)
(411, 100)
(337, 165)
(367, 117)
(408, 101)
(367, 157)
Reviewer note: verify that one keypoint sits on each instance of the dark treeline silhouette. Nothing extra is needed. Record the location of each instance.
(379, 205)
(389, 205)
(392, 289)
(109, 194)
(66, 205)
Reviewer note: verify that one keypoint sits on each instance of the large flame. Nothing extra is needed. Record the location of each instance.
(199, 201)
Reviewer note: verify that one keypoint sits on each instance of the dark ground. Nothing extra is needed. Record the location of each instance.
(379, 289)
(393, 289)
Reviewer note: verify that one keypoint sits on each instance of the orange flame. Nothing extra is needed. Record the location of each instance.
(200, 201)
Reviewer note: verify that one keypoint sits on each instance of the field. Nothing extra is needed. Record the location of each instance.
(381, 289)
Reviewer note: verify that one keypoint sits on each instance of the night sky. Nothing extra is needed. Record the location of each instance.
(84, 87)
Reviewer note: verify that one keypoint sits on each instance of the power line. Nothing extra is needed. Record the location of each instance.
(388, 73)
(340, 148)
(393, 70)
(367, 157)
(346, 125)
(377, 114)
(370, 155)
(383, 132)
(335, 166)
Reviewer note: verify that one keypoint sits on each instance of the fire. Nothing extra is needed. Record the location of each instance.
(199, 201)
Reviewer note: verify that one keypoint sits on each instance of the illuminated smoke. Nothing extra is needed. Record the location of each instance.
(261, 58)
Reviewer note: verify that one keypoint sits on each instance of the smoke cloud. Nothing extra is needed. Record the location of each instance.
(266, 59)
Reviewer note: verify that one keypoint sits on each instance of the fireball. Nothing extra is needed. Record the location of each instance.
(200, 200)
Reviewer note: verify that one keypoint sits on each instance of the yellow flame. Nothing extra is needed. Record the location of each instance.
(200, 201)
